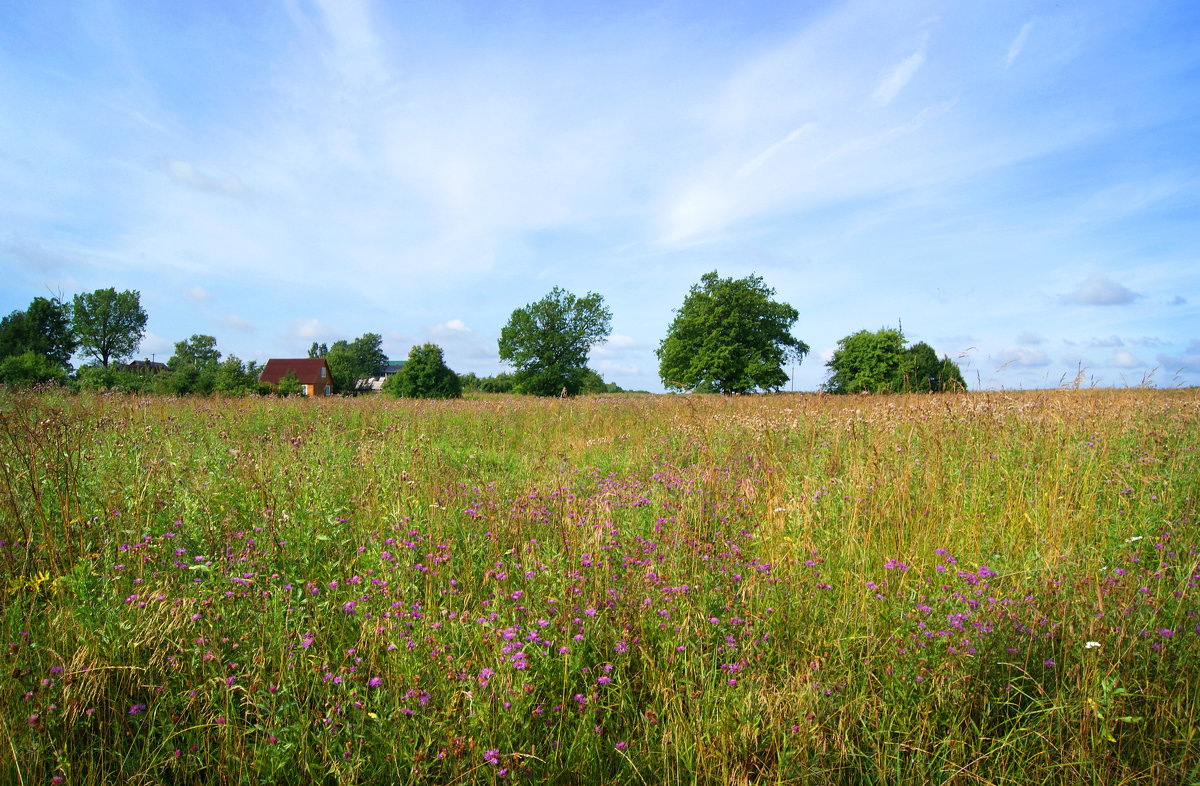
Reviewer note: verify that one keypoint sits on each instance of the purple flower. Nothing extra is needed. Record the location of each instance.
(137, 709)
(374, 682)
(492, 756)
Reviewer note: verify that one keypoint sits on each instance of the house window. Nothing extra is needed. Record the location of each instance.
(326, 390)
(322, 372)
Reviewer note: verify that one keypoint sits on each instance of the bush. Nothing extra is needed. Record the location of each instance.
(29, 368)
(424, 375)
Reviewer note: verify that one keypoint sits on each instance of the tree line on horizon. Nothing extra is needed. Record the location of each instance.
(729, 336)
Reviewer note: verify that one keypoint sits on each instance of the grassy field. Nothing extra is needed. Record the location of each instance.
(980, 588)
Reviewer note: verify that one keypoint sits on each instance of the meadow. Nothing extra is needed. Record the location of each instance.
(975, 588)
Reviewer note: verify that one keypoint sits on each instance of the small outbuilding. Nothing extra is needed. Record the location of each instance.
(312, 374)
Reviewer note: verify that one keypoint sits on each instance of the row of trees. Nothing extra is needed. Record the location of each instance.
(37, 344)
(729, 336)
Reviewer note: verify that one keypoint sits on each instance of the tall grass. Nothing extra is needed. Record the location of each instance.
(984, 588)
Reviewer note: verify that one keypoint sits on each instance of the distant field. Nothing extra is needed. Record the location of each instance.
(979, 588)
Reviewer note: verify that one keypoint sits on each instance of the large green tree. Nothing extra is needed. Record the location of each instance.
(353, 361)
(44, 328)
(547, 342)
(729, 336)
(424, 375)
(866, 362)
(878, 362)
(199, 351)
(922, 372)
(108, 324)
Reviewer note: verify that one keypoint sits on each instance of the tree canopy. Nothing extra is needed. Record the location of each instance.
(44, 328)
(424, 375)
(351, 361)
(878, 362)
(199, 351)
(547, 342)
(729, 336)
(108, 324)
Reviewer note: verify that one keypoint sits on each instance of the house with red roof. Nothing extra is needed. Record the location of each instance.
(312, 374)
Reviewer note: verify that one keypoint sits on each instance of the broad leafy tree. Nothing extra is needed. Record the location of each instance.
(922, 372)
(878, 362)
(424, 375)
(729, 336)
(866, 362)
(108, 324)
(199, 351)
(353, 361)
(547, 342)
(44, 328)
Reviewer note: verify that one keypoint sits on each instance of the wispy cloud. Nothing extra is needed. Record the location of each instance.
(900, 75)
(1030, 357)
(1017, 45)
(183, 172)
(197, 293)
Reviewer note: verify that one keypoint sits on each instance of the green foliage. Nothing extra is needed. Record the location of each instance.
(353, 362)
(318, 350)
(424, 375)
(593, 383)
(547, 342)
(199, 351)
(866, 362)
(108, 324)
(43, 328)
(499, 383)
(235, 378)
(29, 368)
(878, 362)
(729, 336)
(289, 385)
(922, 372)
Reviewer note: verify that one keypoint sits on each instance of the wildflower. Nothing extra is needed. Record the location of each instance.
(492, 756)
(374, 682)
(137, 709)
(1091, 645)
(1049, 663)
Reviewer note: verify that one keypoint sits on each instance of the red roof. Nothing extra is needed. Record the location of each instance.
(308, 371)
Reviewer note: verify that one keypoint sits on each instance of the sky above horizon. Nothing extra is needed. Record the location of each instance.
(1014, 183)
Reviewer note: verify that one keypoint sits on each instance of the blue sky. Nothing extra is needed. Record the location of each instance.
(1015, 183)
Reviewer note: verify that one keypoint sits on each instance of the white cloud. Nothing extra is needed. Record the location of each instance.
(900, 75)
(1018, 44)
(1102, 343)
(183, 172)
(1099, 290)
(1123, 358)
(312, 329)
(234, 322)
(1024, 356)
(197, 293)
(1029, 339)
